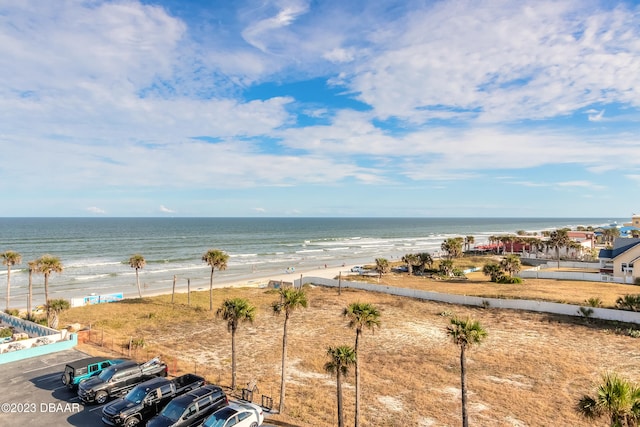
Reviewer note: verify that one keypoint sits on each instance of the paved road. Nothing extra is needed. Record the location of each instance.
(32, 394)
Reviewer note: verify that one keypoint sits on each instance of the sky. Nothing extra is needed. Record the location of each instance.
(319, 108)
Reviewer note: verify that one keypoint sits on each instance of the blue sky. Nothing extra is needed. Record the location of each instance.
(320, 108)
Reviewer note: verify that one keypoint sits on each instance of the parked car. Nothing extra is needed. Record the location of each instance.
(80, 370)
(147, 399)
(191, 408)
(357, 269)
(117, 380)
(237, 414)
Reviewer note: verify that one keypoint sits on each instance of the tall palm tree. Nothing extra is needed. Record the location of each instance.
(411, 260)
(616, 398)
(33, 267)
(46, 265)
(558, 239)
(290, 299)
(234, 311)
(10, 258)
(465, 333)
(382, 266)
(340, 359)
(468, 241)
(138, 262)
(216, 259)
(361, 315)
(57, 306)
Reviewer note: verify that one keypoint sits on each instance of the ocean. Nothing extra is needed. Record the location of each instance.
(95, 251)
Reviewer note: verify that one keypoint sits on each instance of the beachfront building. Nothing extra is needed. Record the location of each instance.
(618, 261)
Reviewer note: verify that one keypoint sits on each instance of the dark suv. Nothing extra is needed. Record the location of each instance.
(191, 408)
(80, 370)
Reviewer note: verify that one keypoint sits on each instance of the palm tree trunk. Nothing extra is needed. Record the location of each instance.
(284, 359)
(8, 284)
(339, 390)
(30, 294)
(138, 283)
(211, 291)
(233, 358)
(46, 295)
(357, 416)
(463, 387)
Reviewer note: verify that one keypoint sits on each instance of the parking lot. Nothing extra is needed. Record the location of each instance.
(33, 394)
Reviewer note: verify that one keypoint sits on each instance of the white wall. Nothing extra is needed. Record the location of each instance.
(514, 304)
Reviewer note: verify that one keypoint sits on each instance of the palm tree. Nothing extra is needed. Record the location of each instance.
(557, 239)
(446, 267)
(361, 315)
(138, 262)
(426, 261)
(234, 311)
(10, 258)
(616, 398)
(411, 260)
(340, 359)
(493, 270)
(511, 264)
(468, 241)
(216, 259)
(57, 306)
(452, 247)
(33, 267)
(382, 266)
(465, 333)
(290, 299)
(46, 265)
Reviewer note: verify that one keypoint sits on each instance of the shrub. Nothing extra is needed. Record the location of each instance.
(12, 312)
(485, 303)
(636, 281)
(5, 332)
(510, 280)
(629, 302)
(593, 302)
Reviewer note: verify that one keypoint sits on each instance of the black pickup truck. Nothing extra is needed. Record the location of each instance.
(147, 399)
(117, 380)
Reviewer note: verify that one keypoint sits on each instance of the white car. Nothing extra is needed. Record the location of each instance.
(357, 269)
(237, 414)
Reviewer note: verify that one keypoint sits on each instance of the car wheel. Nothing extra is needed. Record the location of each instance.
(254, 424)
(101, 397)
(132, 422)
(66, 378)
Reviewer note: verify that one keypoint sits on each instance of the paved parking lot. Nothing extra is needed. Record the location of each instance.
(32, 394)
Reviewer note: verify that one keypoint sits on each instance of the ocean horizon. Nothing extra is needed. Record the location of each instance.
(95, 251)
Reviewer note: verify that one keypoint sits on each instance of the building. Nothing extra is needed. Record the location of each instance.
(618, 262)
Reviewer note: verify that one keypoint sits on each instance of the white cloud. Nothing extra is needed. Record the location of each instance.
(165, 209)
(96, 210)
(595, 116)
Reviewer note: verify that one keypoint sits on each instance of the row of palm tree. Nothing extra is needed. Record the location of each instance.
(44, 265)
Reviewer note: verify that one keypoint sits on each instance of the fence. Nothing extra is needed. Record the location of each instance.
(513, 304)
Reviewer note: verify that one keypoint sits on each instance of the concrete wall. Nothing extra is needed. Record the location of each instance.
(42, 340)
(13, 356)
(513, 304)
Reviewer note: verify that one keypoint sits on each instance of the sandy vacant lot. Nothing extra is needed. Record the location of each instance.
(531, 370)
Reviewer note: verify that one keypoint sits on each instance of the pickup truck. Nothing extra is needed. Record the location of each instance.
(117, 380)
(147, 399)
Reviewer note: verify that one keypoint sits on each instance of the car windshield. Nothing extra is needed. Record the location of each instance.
(218, 419)
(173, 411)
(106, 374)
(136, 395)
